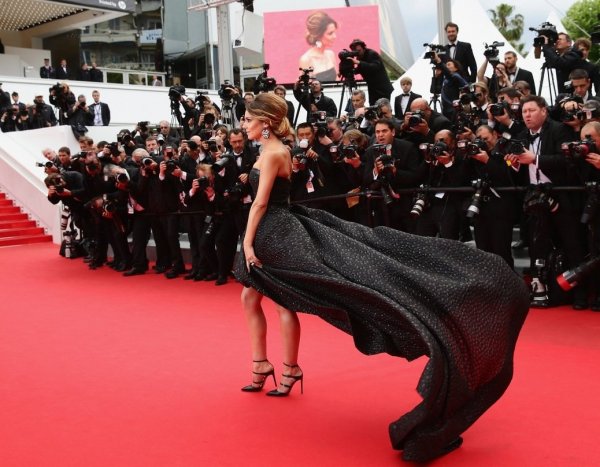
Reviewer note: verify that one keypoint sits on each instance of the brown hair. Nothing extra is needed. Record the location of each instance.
(271, 109)
(316, 25)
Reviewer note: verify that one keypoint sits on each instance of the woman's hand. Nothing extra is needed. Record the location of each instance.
(251, 259)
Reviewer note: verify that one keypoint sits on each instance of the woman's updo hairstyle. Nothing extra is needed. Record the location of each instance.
(268, 107)
(316, 25)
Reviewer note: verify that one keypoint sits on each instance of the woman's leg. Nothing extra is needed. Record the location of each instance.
(257, 327)
(290, 336)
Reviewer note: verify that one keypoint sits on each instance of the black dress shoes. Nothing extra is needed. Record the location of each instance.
(134, 272)
(580, 305)
(595, 305)
(190, 276)
(199, 277)
(210, 277)
(160, 269)
(221, 280)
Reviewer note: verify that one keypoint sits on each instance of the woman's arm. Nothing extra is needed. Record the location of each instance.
(269, 168)
(481, 71)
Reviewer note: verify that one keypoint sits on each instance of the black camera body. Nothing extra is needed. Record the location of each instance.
(432, 151)
(203, 182)
(226, 91)
(537, 199)
(415, 118)
(223, 161)
(498, 109)
(575, 150)
(433, 48)
(46, 165)
(304, 78)
(480, 186)
(300, 156)
(175, 93)
(471, 148)
(545, 29)
(491, 52)
(421, 202)
(263, 82)
(506, 145)
(319, 120)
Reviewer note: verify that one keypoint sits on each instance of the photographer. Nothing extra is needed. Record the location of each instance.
(493, 213)
(281, 91)
(9, 119)
(170, 135)
(42, 115)
(581, 84)
(352, 154)
(315, 101)
(453, 82)
(391, 164)
(505, 116)
(498, 80)
(79, 113)
(562, 57)
(591, 131)
(370, 66)
(553, 214)
(593, 70)
(63, 99)
(245, 157)
(442, 212)
(421, 123)
(516, 73)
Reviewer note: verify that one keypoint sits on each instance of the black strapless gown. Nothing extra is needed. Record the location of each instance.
(401, 294)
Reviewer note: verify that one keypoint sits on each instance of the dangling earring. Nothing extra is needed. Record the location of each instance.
(319, 44)
(266, 134)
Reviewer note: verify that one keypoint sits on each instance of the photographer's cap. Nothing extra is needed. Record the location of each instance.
(356, 42)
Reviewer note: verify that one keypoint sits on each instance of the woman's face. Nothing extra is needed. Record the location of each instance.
(329, 36)
(451, 67)
(500, 70)
(252, 126)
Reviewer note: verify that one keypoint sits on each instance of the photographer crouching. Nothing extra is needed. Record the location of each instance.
(369, 65)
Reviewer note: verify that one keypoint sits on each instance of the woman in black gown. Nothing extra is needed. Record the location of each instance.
(394, 292)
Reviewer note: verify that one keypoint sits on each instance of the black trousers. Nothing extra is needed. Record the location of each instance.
(142, 225)
(493, 230)
(442, 218)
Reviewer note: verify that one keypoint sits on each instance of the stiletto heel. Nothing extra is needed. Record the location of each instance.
(295, 378)
(256, 386)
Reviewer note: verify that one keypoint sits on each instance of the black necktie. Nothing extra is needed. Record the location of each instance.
(452, 45)
(533, 137)
(405, 95)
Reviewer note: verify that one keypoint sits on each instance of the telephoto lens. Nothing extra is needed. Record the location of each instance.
(570, 279)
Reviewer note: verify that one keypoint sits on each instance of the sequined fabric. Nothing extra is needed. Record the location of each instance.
(401, 294)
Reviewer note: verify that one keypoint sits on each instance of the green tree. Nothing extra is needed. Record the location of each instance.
(511, 27)
(580, 21)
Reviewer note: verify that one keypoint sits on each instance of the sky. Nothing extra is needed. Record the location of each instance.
(420, 16)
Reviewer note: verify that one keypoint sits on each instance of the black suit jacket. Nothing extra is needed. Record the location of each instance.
(62, 74)
(372, 70)
(398, 104)
(464, 55)
(525, 75)
(104, 112)
(47, 72)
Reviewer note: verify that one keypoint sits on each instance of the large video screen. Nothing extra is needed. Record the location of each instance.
(127, 6)
(314, 38)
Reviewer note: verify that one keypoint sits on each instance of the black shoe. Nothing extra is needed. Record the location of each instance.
(160, 269)
(580, 305)
(199, 277)
(210, 277)
(539, 304)
(595, 305)
(173, 273)
(257, 386)
(191, 275)
(294, 379)
(221, 281)
(134, 272)
(122, 267)
(95, 264)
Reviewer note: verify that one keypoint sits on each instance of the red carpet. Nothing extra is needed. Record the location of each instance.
(101, 370)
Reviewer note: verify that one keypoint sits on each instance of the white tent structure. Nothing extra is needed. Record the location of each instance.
(476, 28)
(535, 64)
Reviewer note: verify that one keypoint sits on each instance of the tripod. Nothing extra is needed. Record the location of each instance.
(304, 98)
(227, 114)
(435, 89)
(348, 82)
(550, 74)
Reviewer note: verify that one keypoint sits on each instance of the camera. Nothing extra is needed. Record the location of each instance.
(115, 150)
(491, 52)
(433, 48)
(171, 166)
(213, 146)
(46, 165)
(175, 93)
(537, 199)
(319, 120)
(578, 149)
(122, 177)
(201, 98)
(468, 94)
(471, 148)
(124, 137)
(226, 91)
(263, 82)
(58, 183)
(480, 187)
(147, 161)
(498, 109)
(349, 151)
(223, 161)
(203, 182)
(300, 156)
(372, 113)
(345, 54)
(209, 118)
(415, 118)
(421, 202)
(506, 145)
(235, 192)
(433, 150)
(305, 76)
(205, 134)
(547, 30)
(570, 279)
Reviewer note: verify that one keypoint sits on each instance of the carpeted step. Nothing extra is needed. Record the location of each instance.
(21, 231)
(5, 202)
(25, 239)
(14, 224)
(16, 216)
(2, 196)
(9, 209)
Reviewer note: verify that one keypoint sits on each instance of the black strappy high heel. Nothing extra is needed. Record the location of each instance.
(257, 386)
(295, 378)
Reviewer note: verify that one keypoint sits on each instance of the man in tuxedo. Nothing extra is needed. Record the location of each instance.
(517, 74)
(17, 102)
(460, 51)
(47, 71)
(557, 217)
(317, 101)
(62, 71)
(405, 99)
(280, 91)
(99, 110)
